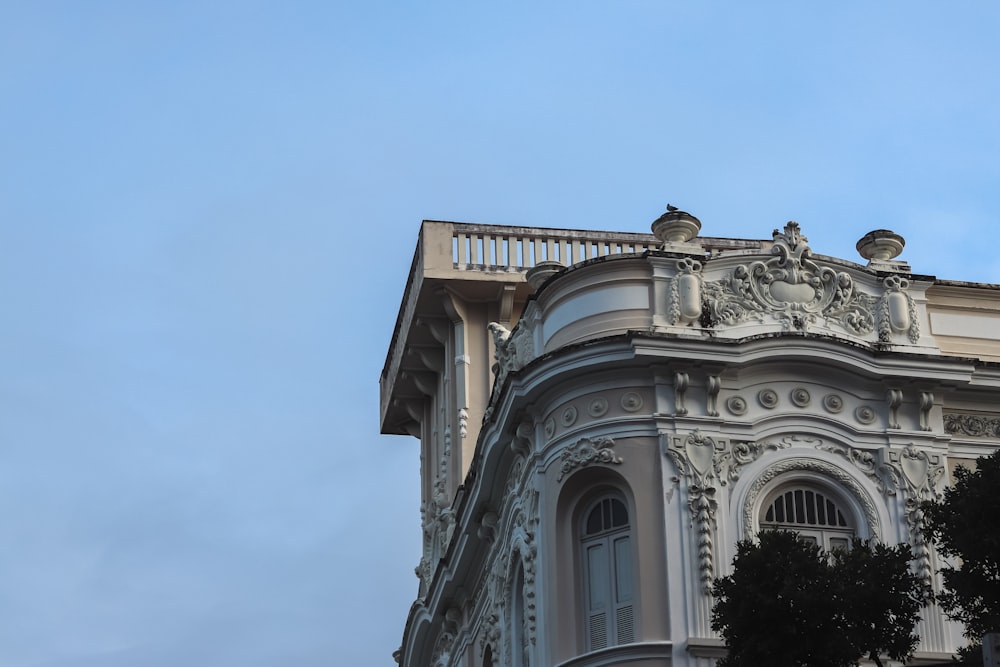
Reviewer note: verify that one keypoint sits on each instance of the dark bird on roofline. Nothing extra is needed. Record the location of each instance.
(672, 208)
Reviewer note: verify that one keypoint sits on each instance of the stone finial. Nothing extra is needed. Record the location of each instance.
(542, 271)
(676, 226)
(881, 245)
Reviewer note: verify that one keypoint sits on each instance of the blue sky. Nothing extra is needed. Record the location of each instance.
(207, 215)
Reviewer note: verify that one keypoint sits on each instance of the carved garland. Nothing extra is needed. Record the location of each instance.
(918, 473)
(705, 463)
(977, 426)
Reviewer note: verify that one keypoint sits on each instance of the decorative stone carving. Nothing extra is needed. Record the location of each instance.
(833, 403)
(512, 350)
(714, 384)
(685, 293)
(488, 526)
(437, 518)
(768, 398)
(743, 453)
(550, 427)
(526, 519)
(463, 422)
(865, 414)
(976, 426)
(737, 405)
(491, 632)
(598, 407)
(919, 474)
(695, 457)
(897, 311)
(707, 464)
(894, 397)
(926, 403)
(631, 401)
(791, 288)
(680, 387)
(813, 465)
(441, 656)
(867, 462)
(800, 397)
(521, 442)
(568, 416)
(587, 452)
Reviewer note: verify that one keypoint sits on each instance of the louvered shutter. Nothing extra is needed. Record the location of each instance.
(624, 625)
(598, 594)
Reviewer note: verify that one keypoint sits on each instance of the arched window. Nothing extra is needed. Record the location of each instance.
(815, 514)
(606, 546)
(488, 656)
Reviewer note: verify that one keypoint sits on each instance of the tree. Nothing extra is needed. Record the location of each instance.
(965, 526)
(790, 604)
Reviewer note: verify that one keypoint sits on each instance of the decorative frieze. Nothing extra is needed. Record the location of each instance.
(973, 425)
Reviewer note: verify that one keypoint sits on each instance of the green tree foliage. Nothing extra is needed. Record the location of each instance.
(790, 604)
(965, 527)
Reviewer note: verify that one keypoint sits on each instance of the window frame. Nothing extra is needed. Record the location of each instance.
(620, 572)
(827, 535)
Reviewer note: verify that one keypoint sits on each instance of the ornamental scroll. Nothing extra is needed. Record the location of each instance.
(791, 288)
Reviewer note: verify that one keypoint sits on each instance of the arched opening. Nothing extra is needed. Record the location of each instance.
(816, 513)
(607, 563)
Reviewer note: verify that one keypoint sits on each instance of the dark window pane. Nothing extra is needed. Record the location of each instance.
(811, 507)
(619, 515)
(594, 521)
(800, 510)
(821, 504)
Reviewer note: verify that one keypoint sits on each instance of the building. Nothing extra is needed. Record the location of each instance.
(602, 416)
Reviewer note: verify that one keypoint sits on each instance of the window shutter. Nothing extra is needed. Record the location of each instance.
(599, 603)
(624, 630)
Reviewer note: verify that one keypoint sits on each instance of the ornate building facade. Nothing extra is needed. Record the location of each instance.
(602, 416)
